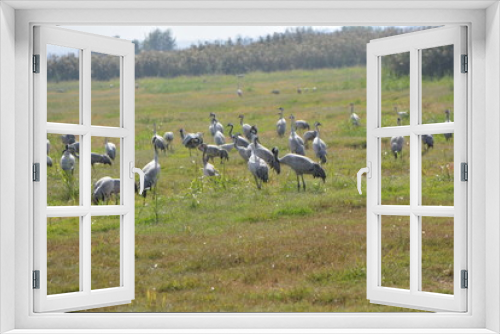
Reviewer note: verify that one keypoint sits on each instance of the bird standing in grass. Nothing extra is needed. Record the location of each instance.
(301, 165)
(96, 158)
(296, 143)
(319, 145)
(245, 127)
(67, 161)
(448, 136)
(110, 149)
(281, 124)
(151, 173)
(401, 114)
(428, 141)
(169, 138)
(208, 168)
(158, 142)
(309, 136)
(104, 188)
(212, 151)
(263, 152)
(241, 141)
(354, 118)
(191, 140)
(257, 166)
(397, 143)
(219, 138)
(215, 125)
(239, 91)
(302, 125)
(243, 151)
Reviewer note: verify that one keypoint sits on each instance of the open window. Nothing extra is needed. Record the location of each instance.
(92, 234)
(403, 205)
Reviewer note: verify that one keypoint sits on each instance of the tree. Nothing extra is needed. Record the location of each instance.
(158, 40)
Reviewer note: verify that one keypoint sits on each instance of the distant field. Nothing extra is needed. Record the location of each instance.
(221, 245)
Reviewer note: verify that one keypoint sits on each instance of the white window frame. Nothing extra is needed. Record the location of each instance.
(86, 297)
(483, 315)
(413, 44)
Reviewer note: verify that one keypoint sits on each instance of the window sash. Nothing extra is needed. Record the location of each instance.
(86, 297)
(413, 297)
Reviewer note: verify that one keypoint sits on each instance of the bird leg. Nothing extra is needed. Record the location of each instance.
(303, 183)
(257, 182)
(298, 183)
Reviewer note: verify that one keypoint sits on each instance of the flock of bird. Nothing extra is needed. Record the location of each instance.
(258, 158)
(106, 186)
(397, 142)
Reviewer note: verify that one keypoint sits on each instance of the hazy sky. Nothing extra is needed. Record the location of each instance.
(187, 35)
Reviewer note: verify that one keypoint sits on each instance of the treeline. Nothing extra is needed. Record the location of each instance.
(300, 48)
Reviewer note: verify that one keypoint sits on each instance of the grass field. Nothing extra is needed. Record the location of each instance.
(221, 245)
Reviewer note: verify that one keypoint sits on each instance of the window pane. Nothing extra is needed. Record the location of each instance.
(63, 170)
(395, 170)
(395, 88)
(437, 84)
(437, 254)
(63, 255)
(395, 251)
(105, 90)
(437, 170)
(105, 252)
(105, 160)
(63, 84)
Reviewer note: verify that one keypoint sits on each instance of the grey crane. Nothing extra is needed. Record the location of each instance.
(299, 90)
(401, 114)
(215, 125)
(219, 138)
(212, 151)
(319, 145)
(296, 143)
(96, 158)
(448, 136)
(428, 141)
(397, 143)
(244, 152)
(208, 168)
(301, 165)
(241, 141)
(110, 149)
(262, 152)
(49, 161)
(354, 117)
(309, 136)
(257, 166)
(151, 173)
(275, 92)
(302, 125)
(191, 140)
(75, 149)
(245, 127)
(169, 138)
(104, 188)
(158, 142)
(67, 161)
(68, 139)
(239, 91)
(281, 124)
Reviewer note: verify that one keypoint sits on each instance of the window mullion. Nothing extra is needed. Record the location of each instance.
(414, 172)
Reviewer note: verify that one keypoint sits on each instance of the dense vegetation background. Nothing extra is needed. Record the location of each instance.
(298, 48)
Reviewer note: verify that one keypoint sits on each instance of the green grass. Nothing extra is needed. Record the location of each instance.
(221, 245)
